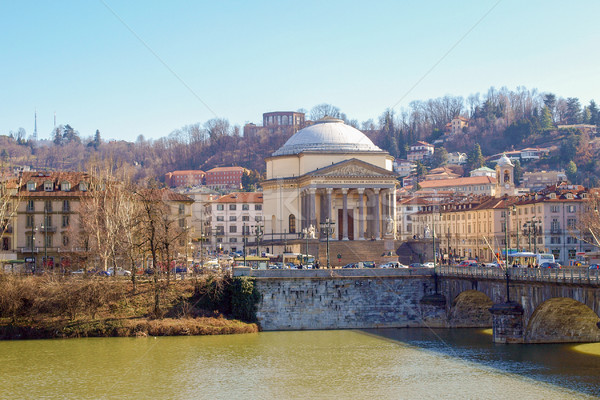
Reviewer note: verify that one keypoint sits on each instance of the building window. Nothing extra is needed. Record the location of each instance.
(65, 240)
(232, 218)
(220, 207)
(29, 222)
(48, 240)
(65, 221)
(554, 209)
(30, 206)
(48, 205)
(31, 186)
(220, 218)
(571, 208)
(66, 206)
(258, 207)
(555, 240)
(555, 225)
(83, 186)
(292, 223)
(232, 240)
(232, 207)
(233, 229)
(181, 209)
(571, 223)
(65, 186)
(48, 187)
(245, 218)
(258, 218)
(181, 222)
(245, 207)
(47, 221)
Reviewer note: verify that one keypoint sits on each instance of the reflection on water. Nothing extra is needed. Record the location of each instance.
(389, 363)
(588, 348)
(557, 364)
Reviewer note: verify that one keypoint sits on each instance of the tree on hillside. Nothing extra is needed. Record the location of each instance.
(518, 172)
(550, 102)
(326, 110)
(571, 171)
(573, 112)
(440, 157)
(474, 159)
(594, 113)
(546, 118)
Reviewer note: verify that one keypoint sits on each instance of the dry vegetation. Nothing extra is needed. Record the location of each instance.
(65, 307)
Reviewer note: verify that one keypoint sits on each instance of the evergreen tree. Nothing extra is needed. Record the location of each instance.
(97, 139)
(550, 102)
(440, 157)
(573, 114)
(571, 171)
(546, 118)
(594, 114)
(475, 158)
(518, 172)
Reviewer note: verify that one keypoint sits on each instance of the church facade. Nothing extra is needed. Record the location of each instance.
(330, 175)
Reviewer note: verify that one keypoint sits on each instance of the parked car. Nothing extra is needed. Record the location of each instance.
(416, 265)
(351, 265)
(552, 265)
(594, 266)
(468, 263)
(428, 265)
(120, 272)
(366, 264)
(493, 265)
(78, 272)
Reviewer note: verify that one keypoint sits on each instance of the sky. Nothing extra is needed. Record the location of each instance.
(148, 67)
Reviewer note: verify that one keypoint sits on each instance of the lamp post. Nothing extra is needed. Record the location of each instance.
(244, 234)
(328, 231)
(45, 228)
(305, 232)
(259, 235)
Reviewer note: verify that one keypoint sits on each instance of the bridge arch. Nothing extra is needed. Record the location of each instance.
(562, 319)
(470, 309)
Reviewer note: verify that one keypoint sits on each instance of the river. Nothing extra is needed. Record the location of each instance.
(358, 364)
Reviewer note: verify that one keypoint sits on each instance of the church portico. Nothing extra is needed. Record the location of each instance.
(330, 175)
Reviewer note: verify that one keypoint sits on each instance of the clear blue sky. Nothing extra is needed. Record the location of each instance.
(243, 58)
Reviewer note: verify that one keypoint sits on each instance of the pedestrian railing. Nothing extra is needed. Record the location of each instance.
(563, 275)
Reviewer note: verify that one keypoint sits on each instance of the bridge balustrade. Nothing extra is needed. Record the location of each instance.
(564, 275)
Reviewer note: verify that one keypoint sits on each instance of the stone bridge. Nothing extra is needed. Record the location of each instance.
(545, 305)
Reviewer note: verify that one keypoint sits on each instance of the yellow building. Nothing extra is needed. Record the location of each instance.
(330, 171)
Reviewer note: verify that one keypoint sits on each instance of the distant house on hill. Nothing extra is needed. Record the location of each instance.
(456, 126)
(286, 122)
(457, 158)
(420, 151)
(184, 178)
(225, 177)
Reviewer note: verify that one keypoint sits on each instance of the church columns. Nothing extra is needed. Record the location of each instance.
(328, 204)
(361, 219)
(377, 216)
(312, 205)
(345, 213)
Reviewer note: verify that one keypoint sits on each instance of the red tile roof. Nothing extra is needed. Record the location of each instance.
(241, 197)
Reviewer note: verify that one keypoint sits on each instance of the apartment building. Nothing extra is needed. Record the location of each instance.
(232, 218)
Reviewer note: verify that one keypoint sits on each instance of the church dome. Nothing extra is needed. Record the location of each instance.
(504, 161)
(327, 135)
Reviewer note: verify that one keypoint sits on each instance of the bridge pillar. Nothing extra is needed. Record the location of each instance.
(508, 322)
(433, 310)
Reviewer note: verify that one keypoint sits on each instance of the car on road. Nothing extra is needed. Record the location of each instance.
(552, 265)
(120, 272)
(393, 264)
(351, 265)
(78, 272)
(493, 265)
(594, 266)
(429, 265)
(468, 263)
(366, 264)
(416, 265)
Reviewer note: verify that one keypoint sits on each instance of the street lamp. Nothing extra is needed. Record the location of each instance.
(259, 234)
(327, 231)
(244, 235)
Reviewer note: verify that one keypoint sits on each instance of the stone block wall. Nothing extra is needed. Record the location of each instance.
(341, 303)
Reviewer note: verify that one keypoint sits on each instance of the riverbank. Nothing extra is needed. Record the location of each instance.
(43, 307)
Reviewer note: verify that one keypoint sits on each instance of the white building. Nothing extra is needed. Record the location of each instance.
(233, 217)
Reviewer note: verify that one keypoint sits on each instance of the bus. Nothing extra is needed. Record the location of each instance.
(253, 262)
(528, 259)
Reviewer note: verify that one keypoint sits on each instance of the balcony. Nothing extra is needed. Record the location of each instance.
(556, 231)
(6, 229)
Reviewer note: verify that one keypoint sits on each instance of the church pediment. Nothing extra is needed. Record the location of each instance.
(352, 168)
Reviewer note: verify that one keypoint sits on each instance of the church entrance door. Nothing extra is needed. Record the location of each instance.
(341, 224)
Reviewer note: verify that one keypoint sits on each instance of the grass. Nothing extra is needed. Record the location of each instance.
(37, 307)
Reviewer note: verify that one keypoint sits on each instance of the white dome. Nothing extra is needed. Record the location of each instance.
(504, 161)
(327, 135)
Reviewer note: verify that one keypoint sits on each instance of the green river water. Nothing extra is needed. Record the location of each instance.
(350, 364)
